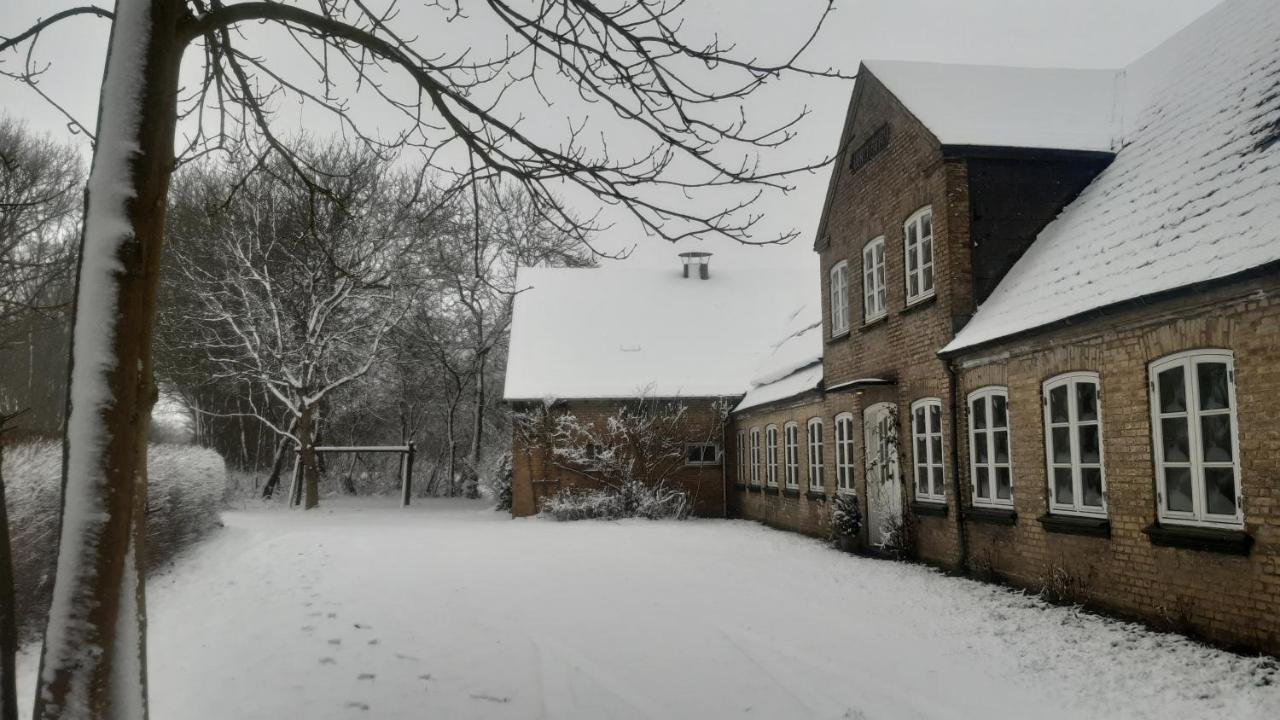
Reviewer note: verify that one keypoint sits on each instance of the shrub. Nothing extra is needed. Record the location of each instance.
(630, 499)
(186, 484)
(846, 516)
(499, 484)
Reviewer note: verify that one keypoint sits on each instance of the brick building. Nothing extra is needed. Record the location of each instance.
(1049, 339)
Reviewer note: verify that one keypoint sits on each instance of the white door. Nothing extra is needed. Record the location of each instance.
(884, 483)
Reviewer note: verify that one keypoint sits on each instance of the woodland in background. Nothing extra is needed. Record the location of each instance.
(374, 298)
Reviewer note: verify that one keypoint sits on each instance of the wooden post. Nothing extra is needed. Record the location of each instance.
(295, 482)
(406, 475)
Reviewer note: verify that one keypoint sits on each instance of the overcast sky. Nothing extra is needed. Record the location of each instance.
(1044, 33)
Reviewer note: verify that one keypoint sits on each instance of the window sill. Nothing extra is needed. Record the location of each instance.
(791, 493)
(877, 320)
(1227, 542)
(991, 516)
(927, 508)
(740, 486)
(753, 488)
(914, 305)
(771, 491)
(701, 465)
(814, 495)
(1076, 525)
(838, 337)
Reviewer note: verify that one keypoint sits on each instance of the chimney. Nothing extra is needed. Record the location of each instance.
(701, 259)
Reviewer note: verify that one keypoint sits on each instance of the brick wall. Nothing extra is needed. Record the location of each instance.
(1229, 599)
(534, 478)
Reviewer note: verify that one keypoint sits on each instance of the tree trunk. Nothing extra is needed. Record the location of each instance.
(348, 481)
(277, 466)
(8, 617)
(93, 663)
(310, 477)
(453, 446)
(472, 488)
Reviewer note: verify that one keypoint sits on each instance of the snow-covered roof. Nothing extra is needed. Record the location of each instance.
(794, 363)
(625, 331)
(988, 105)
(1192, 196)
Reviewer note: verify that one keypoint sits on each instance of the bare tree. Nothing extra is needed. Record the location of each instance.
(294, 293)
(632, 57)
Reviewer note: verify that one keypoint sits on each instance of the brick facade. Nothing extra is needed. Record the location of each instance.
(534, 478)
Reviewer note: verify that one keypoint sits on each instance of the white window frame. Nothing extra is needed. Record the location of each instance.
(840, 298)
(913, 266)
(845, 478)
(1073, 425)
(791, 454)
(985, 395)
(1199, 515)
(817, 481)
(875, 295)
(702, 463)
(771, 455)
(930, 463)
(755, 457)
(742, 457)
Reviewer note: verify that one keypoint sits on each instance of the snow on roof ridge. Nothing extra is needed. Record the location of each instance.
(1192, 196)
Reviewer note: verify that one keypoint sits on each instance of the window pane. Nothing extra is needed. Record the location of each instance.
(980, 476)
(937, 480)
(980, 450)
(1063, 486)
(1062, 445)
(1174, 432)
(1216, 435)
(926, 279)
(1089, 444)
(880, 257)
(935, 418)
(936, 442)
(922, 479)
(1220, 490)
(1173, 392)
(1058, 410)
(922, 450)
(1086, 401)
(1001, 438)
(926, 224)
(1212, 378)
(1091, 487)
(913, 282)
(911, 237)
(1004, 483)
(919, 420)
(999, 411)
(926, 252)
(979, 413)
(695, 454)
(1177, 489)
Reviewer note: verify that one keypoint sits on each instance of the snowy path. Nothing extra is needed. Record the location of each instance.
(452, 611)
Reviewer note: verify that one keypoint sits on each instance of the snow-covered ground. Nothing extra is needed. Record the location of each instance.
(450, 610)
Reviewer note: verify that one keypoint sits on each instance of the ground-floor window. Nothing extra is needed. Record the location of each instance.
(844, 452)
(1073, 444)
(771, 455)
(817, 482)
(1193, 415)
(701, 454)
(755, 456)
(989, 447)
(791, 454)
(742, 457)
(926, 444)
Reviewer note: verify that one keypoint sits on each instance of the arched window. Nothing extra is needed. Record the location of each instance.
(918, 247)
(755, 456)
(771, 455)
(926, 449)
(874, 294)
(1073, 444)
(989, 459)
(791, 454)
(844, 452)
(817, 481)
(840, 298)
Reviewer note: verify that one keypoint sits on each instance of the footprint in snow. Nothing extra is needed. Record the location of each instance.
(366, 676)
(374, 641)
(401, 656)
(335, 641)
(358, 626)
(328, 661)
(356, 705)
(308, 628)
(331, 615)
(491, 698)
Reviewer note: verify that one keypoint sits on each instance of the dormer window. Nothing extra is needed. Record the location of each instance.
(919, 255)
(840, 298)
(873, 289)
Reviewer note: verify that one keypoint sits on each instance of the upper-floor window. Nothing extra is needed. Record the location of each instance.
(919, 255)
(1073, 444)
(742, 457)
(791, 454)
(840, 298)
(701, 454)
(874, 295)
(816, 460)
(771, 455)
(755, 456)
(989, 447)
(844, 452)
(926, 444)
(1193, 414)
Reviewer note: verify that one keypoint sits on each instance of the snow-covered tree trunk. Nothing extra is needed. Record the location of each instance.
(93, 664)
(307, 456)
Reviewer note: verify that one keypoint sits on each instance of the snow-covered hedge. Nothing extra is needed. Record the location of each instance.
(631, 499)
(185, 493)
